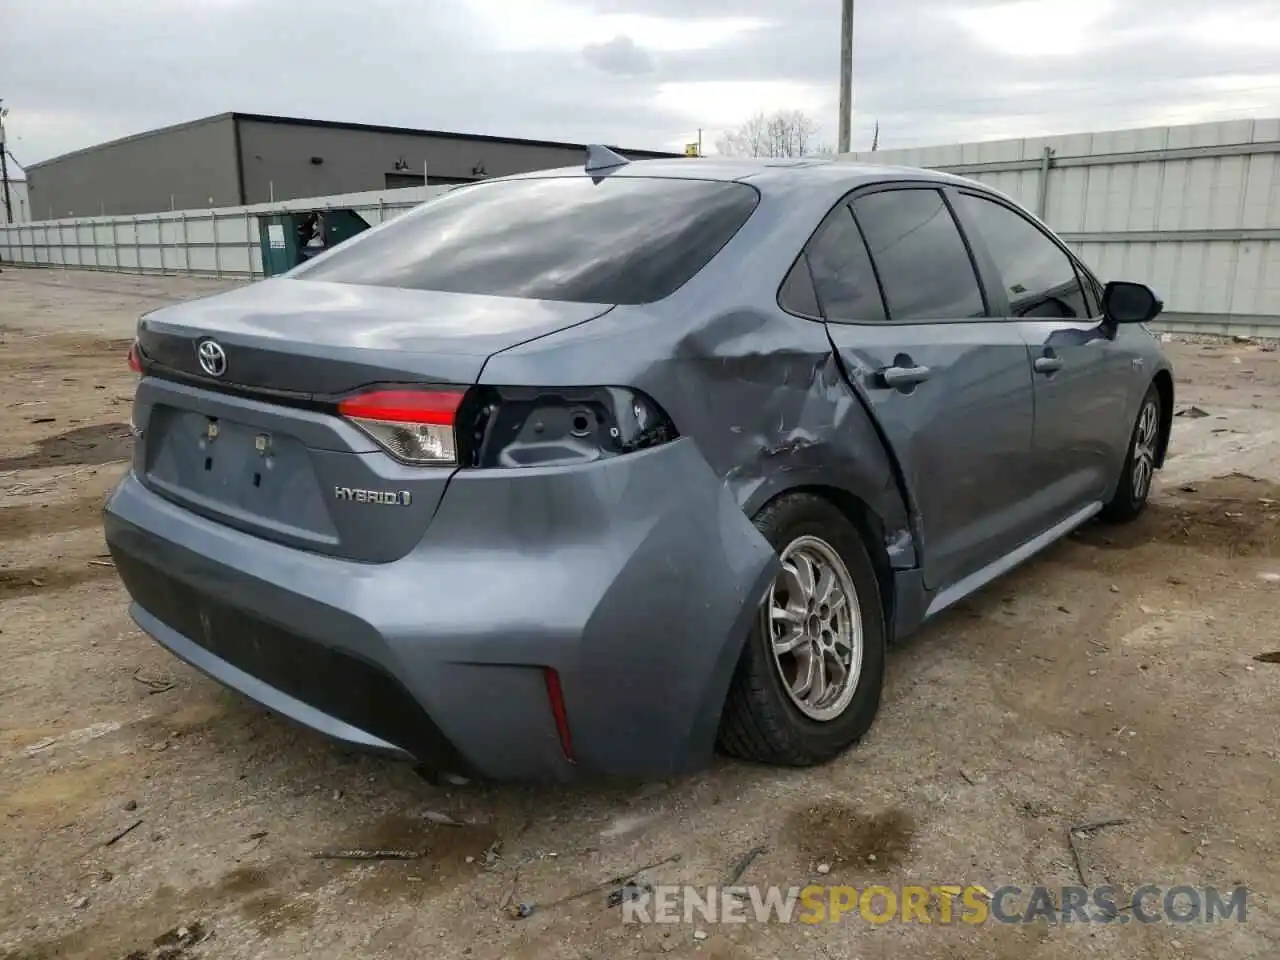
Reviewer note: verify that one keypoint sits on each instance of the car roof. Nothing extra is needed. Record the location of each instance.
(763, 173)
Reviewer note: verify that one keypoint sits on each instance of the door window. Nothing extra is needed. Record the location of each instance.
(842, 273)
(1091, 300)
(1092, 289)
(1039, 278)
(923, 264)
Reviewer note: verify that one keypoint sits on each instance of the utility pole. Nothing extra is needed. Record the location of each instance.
(846, 75)
(4, 168)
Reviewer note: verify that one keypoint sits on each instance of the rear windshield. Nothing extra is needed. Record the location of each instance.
(620, 240)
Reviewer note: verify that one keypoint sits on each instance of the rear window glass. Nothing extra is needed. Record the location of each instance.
(620, 240)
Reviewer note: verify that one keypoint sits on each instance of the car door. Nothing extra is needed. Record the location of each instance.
(949, 387)
(1082, 377)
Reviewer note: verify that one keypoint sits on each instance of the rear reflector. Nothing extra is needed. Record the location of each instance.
(556, 696)
(135, 361)
(415, 426)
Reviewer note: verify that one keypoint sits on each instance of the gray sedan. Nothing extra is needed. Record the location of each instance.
(592, 470)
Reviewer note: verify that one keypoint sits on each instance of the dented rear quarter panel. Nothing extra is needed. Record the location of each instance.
(758, 390)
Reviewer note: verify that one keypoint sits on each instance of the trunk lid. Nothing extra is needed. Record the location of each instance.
(316, 339)
(259, 449)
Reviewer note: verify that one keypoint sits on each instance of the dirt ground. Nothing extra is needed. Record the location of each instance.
(1113, 677)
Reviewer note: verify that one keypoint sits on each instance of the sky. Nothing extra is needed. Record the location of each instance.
(644, 74)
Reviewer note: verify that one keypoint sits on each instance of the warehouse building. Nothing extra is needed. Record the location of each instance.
(239, 158)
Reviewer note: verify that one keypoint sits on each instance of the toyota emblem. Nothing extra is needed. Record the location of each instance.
(213, 359)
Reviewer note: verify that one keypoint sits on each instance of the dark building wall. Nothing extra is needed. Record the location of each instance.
(246, 158)
(194, 163)
(277, 158)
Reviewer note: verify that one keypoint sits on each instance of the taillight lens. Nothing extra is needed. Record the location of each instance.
(135, 359)
(415, 426)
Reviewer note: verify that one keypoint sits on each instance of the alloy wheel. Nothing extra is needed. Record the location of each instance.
(814, 628)
(1144, 449)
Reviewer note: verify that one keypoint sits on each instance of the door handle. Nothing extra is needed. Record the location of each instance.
(1047, 364)
(896, 376)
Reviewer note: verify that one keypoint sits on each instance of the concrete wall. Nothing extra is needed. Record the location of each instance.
(278, 156)
(184, 167)
(1193, 210)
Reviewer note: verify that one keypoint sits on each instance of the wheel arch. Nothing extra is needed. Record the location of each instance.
(871, 529)
(1163, 382)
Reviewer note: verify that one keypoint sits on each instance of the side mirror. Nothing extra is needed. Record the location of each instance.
(1125, 302)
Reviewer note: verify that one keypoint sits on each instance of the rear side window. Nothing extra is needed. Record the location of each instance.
(623, 240)
(798, 295)
(1039, 278)
(922, 260)
(842, 272)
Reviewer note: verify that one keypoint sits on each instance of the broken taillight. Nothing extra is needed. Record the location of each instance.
(414, 426)
(559, 426)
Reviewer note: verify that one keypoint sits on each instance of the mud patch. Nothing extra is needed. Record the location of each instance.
(273, 913)
(24, 581)
(64, 792)
(444, 863)
(35, 519)
(105, 942)
(244, 880)
(84, 446)
(150, 930)
(61, 347)
(1231, 516)
(834, 833)
(173, 944)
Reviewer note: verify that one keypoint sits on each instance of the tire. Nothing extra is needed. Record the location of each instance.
(1138, 471)
(762, 720)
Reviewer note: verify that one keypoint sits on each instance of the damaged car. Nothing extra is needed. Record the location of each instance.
(590, 471)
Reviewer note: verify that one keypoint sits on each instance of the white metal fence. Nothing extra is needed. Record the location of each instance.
(1194, 211)
(221, 242)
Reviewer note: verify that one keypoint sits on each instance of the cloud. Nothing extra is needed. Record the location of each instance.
(619, 55)
(640, 73)
(1017, 28)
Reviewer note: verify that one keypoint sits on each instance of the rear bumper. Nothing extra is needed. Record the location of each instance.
(634, 578)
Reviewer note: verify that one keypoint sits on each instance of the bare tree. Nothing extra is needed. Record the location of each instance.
(784, 133)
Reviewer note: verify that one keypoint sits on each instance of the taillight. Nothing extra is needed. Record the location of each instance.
(415, 426)
(135, 359)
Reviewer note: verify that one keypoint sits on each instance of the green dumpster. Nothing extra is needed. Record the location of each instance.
(288, 239)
